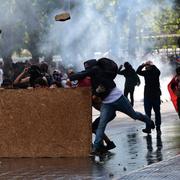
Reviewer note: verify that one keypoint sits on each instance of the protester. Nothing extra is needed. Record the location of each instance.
(152, 91)
(113, 100)
(131, 81)
(56, 82)
(41, 82)
(28, 77)
(70, 84)
(44, 71)
(64, 81)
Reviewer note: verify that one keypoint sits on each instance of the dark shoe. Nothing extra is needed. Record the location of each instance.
(94, 152)
(149, 126)
(110, 145)
(103, 149)
(98, 151)
(146, 130)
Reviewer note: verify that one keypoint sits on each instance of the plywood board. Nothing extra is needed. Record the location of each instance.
(45, 122)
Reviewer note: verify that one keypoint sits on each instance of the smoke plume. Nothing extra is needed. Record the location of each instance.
(115, 29)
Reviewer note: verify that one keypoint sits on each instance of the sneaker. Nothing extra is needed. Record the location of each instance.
(148, 128)
(110, 145)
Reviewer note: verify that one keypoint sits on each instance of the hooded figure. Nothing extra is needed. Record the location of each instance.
(131, 81)
(152, 91)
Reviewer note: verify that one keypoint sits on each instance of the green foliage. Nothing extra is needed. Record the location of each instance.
(168, 23)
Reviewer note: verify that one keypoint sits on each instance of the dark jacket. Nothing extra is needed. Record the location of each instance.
(98, 78)
(151, 77)
(131, 76)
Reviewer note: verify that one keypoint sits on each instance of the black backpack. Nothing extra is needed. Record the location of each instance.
(108, 66)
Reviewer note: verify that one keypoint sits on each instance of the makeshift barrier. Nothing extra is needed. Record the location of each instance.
(45, 122)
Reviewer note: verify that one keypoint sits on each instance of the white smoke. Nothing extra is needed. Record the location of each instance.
(102, 26)
(115, 28)
(112, 29)
(12, 15)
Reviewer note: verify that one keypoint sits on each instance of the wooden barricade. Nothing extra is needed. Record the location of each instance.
(45, 122)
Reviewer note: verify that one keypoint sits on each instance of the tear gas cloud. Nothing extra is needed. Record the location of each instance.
(108, 29)
(97, 28)
(12, 14)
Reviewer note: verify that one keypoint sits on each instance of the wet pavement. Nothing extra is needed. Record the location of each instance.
(164, 170)
(134, 151)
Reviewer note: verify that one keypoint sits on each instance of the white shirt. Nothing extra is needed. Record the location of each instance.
(114, 95)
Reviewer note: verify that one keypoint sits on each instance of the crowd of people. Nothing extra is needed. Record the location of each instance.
(112, 98)
(107, 98)
(38, 75)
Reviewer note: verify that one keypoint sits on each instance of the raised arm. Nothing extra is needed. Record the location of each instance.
(20, 79)
(140, 71)
(120, 71)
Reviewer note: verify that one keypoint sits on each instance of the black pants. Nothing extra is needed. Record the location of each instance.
(153, 103)
(127, 90)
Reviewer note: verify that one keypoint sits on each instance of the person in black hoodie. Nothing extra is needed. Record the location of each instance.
(131, 81)
(152, 91)
(113, 100)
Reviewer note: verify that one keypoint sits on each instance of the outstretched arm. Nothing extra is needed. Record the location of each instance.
(78, 76)
(81, 75)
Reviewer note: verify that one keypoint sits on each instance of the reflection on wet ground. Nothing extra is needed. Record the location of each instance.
(134, 150)
(154, 155)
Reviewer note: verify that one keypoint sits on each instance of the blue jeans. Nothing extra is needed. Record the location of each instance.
(153, 103)
(108, 110)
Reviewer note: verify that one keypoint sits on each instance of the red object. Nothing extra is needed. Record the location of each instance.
(172, 94)
(86, 82)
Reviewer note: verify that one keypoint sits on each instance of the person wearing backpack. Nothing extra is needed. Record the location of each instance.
(131, 81)
(113, 100)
